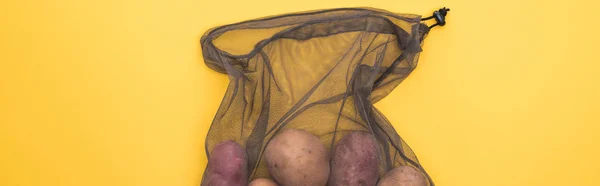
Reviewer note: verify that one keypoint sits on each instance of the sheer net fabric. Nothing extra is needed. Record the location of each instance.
(319, 71)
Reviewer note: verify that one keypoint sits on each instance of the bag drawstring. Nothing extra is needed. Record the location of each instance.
(440, 17)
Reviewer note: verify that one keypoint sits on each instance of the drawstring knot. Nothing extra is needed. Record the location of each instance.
(440, 17)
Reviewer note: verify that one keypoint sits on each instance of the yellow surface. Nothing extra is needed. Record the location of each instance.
(115, 93)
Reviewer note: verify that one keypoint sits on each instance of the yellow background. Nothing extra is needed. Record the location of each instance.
(99, 93)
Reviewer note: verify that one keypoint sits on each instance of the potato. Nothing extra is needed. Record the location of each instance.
(297, 158)
(355, 161)
(403, 176)
(227, 165)
(262, 182)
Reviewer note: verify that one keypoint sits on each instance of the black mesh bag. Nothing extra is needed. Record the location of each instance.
(319, 71)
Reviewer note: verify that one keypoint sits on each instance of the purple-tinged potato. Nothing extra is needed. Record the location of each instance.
(297, 158)
(355, 161)
(403, 176)
(227, 165)
(262, 182)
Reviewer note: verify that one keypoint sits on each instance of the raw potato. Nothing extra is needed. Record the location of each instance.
(297, 158)
(262, 182)
(355, 161)
(227, 165)
(403, 176)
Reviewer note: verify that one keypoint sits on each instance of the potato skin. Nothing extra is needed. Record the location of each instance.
(355, 161)
(262, 182)
(297, 158)
(227, 166)
(403, 176)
